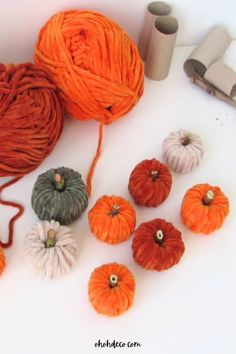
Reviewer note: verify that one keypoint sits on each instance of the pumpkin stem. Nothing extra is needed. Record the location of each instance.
(186, 140)
(154, 175)
(159, 237)
(208, 198)
(115, 210)
(113, 280)
(51, 238)
(60, 182)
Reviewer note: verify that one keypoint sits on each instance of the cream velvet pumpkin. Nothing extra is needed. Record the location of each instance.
(50, 249)
(182, 151)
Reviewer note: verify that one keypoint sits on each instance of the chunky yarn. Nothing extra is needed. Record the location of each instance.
(2, 260)
(150, 183)
(204, 208)
(50, 249)
(157, 245)
(112, 219)
(111, 289)
(59, 194)
(31, 120)
(183, 150)
(94, 63)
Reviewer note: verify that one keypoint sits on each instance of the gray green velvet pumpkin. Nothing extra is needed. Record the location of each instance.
(59, 194)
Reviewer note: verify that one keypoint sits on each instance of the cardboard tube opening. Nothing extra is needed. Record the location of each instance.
(195, 66)
(166, 25)
(208, 51)
(159, 8)
(233, 92)
(154, 10)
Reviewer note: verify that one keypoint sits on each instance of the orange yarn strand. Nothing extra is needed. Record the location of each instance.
(15, 217)
(2, 260)
(95, 160)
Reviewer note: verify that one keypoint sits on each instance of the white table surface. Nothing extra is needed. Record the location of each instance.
(188, 309)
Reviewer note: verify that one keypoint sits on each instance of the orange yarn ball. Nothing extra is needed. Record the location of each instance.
(2, 260)
(112, 219)
(94, 63)
(204, 208)
(111, 289)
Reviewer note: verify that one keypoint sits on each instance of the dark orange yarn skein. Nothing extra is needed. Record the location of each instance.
(31, 120)
(96, 66)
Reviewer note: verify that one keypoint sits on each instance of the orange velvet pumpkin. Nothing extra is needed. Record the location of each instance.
(2, 260)
(112, 219)
(111, 289)
(150, 183)
(204, 208)
(157, 245)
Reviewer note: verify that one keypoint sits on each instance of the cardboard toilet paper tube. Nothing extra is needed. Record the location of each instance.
(209, 50)
(222, 77)
(161, 47)
(154, 10)
(205, 70)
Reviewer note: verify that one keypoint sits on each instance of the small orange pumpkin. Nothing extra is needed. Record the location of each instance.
(2, 260)
(204, 208)
(112, 219)
(157, 245)
(111, 289)
(150, 183)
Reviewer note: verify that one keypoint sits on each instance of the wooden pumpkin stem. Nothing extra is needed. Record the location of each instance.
(154, 175)
(60, 182)
(51, 238)
(113, 280)
(186, 140)
(115, 210)
(159, 236)
(208, 198)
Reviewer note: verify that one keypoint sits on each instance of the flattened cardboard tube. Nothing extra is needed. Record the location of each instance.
(154, 10)
(161, 47)
(209, 50)
(222, 77)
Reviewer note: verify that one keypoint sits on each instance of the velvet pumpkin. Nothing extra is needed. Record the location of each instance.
(182, 150)
(204, 208)
(112, 219)
(59, 194)
(50, 249)
(157, 245)
(111, 289)
(150, 183)
(2, 260)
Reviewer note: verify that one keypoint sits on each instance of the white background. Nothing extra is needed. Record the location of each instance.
(22, 19)
(190, 308)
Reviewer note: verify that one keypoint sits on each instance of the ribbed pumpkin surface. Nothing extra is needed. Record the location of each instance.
(150, 183)
(52, 200)
(111, 299)
(157, 245)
